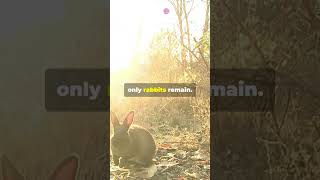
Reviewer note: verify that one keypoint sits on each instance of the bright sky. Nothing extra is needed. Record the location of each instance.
(135, 22)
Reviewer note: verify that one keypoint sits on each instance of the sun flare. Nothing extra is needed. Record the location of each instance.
(133, 24)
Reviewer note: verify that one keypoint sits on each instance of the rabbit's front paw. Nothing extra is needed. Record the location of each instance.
(124, 163)
(116, 160)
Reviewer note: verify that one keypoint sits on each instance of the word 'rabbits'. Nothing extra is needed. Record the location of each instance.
(66, 170)
(131, 143)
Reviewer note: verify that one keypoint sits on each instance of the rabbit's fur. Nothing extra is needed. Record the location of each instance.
(131, 143)
(66, 170)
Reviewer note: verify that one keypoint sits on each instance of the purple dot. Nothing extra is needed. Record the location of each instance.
(166, 11)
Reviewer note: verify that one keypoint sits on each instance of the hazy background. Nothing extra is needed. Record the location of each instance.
(34, 36)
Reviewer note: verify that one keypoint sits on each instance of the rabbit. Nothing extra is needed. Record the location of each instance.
(66, 170)
(131, 143)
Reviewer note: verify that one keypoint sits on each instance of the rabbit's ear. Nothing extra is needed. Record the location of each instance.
(9, 172)
(67, 169)
(129, 119)
(114, 119)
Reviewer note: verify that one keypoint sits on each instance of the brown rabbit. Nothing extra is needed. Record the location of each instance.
(131, 143)
(66, 170)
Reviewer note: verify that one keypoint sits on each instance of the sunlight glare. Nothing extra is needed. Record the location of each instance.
(133, 24)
